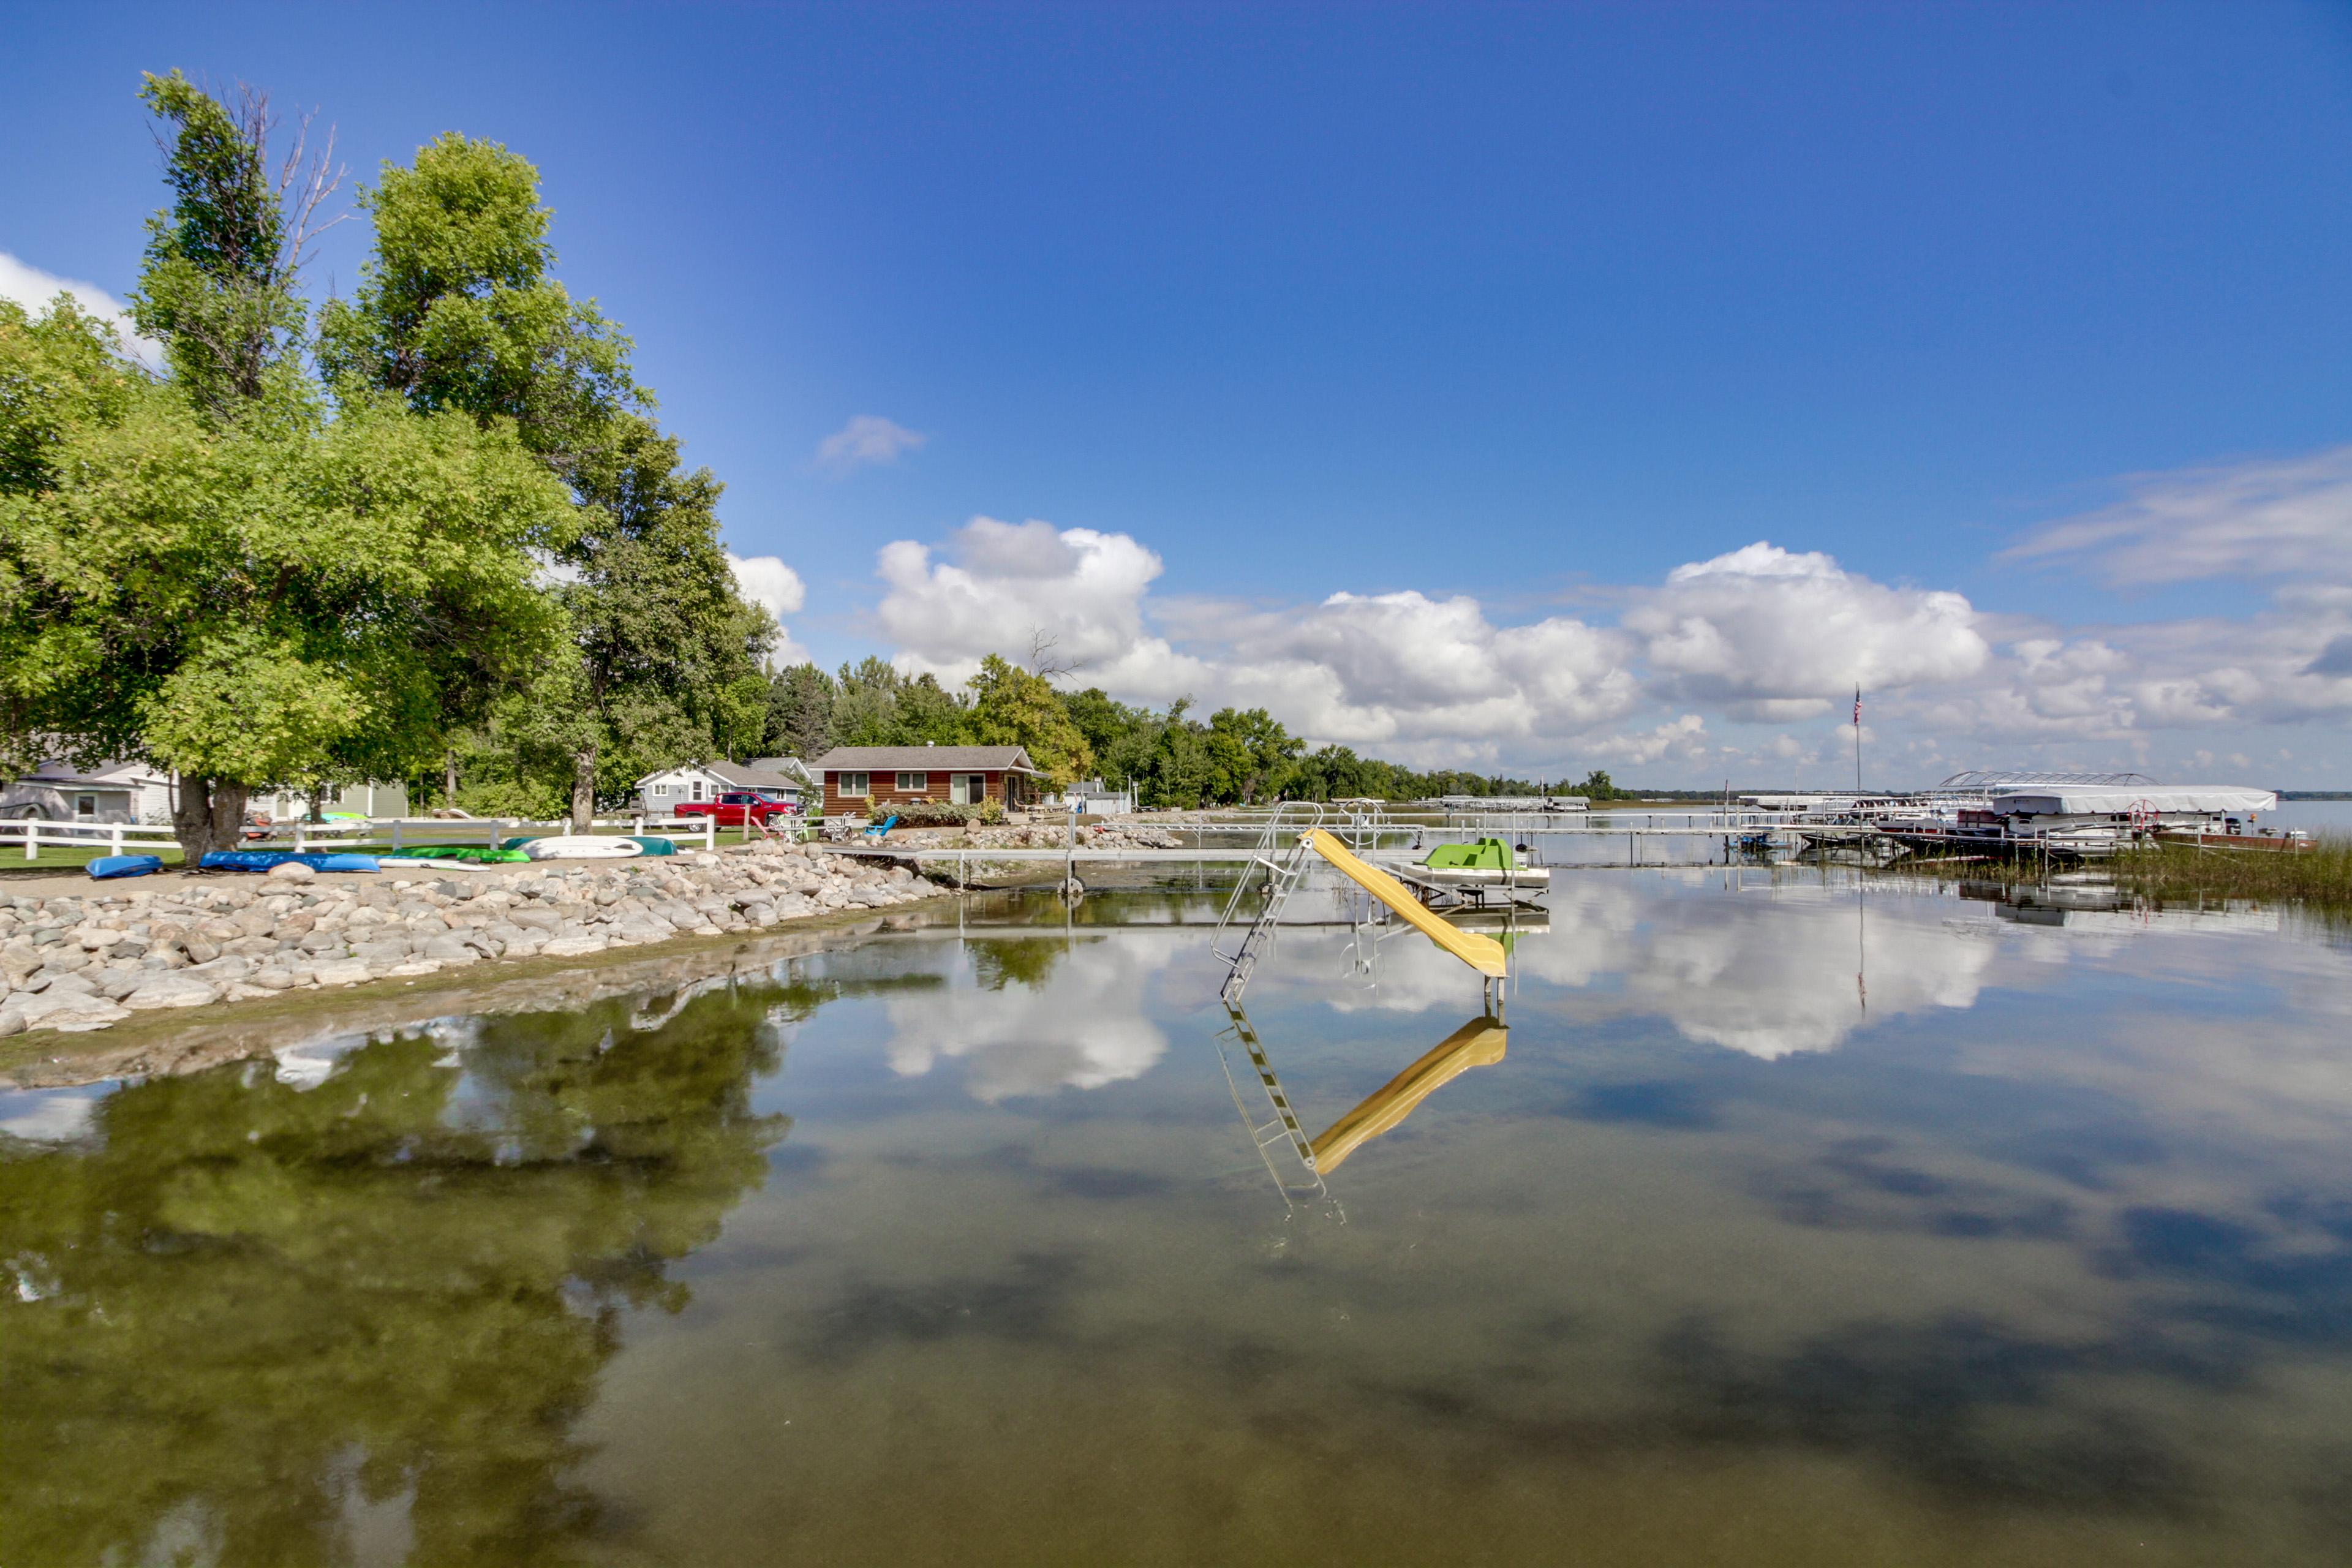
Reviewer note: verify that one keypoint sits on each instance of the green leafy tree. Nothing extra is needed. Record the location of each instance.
(799, 713)
(876, 705)
(222, 261)
(456, 309)
(1121, 737)
(1011, 707)
(665, 664)
(457, 312)
(1253, 756)
(291, 598)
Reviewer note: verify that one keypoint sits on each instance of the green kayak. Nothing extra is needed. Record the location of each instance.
(481, 853)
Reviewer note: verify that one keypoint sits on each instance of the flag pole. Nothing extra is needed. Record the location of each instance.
(1857, 742)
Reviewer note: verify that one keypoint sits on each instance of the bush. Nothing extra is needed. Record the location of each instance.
(940, 813)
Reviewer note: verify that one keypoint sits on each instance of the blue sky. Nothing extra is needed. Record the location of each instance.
(1524, 306)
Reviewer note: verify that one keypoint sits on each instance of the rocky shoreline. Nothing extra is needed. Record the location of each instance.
(88, 961)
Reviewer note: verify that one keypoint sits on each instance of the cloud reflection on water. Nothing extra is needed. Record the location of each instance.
(1030, 1016)
(1769, 971)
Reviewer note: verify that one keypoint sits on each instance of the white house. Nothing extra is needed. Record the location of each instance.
(111, 792)
(357, 800)
(663, 792)
(142, 793)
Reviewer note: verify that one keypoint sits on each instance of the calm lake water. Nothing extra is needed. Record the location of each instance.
(1788, 1222)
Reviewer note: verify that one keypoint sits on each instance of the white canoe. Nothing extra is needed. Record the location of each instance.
(582, 846)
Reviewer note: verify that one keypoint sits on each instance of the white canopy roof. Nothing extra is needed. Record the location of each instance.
(2117, 800)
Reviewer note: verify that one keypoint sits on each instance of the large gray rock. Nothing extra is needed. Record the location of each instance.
(545, 920)
(292, 871)
(572, 946)
(252, 946)
(122, 982)
(170, 990)
(346, 971)
(383, 949)
(320, 941)
(449, 949)
(36, 1010)
(221, 970)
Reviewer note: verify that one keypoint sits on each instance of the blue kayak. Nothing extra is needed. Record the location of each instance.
(263, 859)
(125, 864)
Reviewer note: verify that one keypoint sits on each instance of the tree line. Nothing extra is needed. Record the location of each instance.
(436, 517)
(1169, 757)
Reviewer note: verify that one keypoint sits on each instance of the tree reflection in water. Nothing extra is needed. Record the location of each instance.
(249, 1317)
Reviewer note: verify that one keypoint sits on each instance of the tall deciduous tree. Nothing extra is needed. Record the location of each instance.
(208, 571)
(290, 597)
(1255, 756)
(799, 713)
(457, 311)
(222, 261)
(1011, 707)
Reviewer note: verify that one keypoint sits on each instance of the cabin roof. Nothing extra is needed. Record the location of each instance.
(925, 759)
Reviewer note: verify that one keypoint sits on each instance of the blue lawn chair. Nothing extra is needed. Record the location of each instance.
(880, 829)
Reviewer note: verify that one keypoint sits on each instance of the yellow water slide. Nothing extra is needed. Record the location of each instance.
(1476, 1044)
(1483, 953)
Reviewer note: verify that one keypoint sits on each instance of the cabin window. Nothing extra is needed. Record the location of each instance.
(85, 806)
(913, 784)
(967, 789)
(852, 786)
(698, 789)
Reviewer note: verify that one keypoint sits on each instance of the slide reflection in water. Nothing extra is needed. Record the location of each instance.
(1476, 1044)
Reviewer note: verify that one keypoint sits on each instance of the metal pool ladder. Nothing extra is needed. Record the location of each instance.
(1282, 851)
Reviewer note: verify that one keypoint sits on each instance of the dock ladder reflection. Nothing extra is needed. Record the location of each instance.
(1283, 1131)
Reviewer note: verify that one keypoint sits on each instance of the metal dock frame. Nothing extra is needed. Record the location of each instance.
(1282, 850)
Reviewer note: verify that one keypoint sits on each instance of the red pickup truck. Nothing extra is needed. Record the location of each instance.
(731, 808)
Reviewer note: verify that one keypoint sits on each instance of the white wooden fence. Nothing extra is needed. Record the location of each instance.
(382, 835)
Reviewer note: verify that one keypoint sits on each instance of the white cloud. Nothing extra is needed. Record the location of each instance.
(1772, 636)
(866, 439)
(2270, 517)
(1008, 580)
(1684, 739)
(1762, 635)
(766, 582)
(1361, 669)
(34, 289)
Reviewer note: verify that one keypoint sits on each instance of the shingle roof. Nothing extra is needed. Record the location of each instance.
(929, 759)
(753, 778)
(733, 773)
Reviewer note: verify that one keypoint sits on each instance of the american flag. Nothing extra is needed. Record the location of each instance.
(1857, 705)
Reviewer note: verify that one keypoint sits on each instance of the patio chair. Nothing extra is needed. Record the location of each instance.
(880, 830)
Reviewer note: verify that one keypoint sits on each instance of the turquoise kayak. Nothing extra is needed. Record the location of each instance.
(125, 864)
(263, 859)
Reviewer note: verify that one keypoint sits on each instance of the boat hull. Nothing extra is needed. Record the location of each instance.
(572, 847)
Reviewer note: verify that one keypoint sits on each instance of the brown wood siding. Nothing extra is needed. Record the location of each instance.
(887, 793)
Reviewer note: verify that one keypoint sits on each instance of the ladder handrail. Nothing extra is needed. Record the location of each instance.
(1297, 817)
